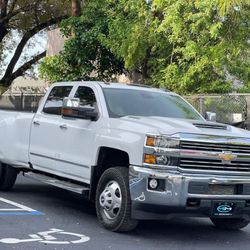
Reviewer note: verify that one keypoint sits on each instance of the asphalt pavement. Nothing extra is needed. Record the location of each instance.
(38, 216)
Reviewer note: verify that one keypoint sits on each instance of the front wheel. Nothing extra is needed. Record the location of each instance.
(230, 224)
(8, 176)
(113, 203)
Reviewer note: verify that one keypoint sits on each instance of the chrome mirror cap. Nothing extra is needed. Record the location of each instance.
(71, 102)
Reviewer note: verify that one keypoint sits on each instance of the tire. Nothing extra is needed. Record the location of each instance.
(8, 177)
(230, 224)
(113, 203)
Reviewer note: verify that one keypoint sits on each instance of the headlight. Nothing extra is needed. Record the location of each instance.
(162, 142)
(152, 154)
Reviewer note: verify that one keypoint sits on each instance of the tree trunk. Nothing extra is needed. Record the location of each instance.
(9, 75)
(135, 76)
(8, 79)
(76, 7)
(3, 32)
(12, 10)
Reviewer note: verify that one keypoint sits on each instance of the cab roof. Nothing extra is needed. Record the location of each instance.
(105, 85)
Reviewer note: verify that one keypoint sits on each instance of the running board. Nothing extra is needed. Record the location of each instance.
(57, 183)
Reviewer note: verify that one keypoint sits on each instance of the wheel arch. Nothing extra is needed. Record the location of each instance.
(108, 157)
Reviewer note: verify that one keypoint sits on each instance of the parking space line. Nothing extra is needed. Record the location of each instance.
(11, 209)
(20, 213)
(18, 210)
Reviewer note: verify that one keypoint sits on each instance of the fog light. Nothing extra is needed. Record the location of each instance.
(153, 183)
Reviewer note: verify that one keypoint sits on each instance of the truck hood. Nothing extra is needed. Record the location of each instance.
(170, 126)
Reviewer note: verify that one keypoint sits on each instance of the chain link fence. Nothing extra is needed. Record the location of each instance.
(232, 109)
(20, 102)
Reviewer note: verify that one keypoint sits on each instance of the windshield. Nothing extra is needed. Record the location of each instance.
(128, 102)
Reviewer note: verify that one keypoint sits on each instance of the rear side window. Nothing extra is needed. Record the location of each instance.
(54, 101)
(87, 97)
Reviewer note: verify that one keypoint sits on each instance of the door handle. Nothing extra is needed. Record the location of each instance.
(63, 126)
(36, 122)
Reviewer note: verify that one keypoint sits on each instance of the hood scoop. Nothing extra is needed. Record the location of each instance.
(210, 126)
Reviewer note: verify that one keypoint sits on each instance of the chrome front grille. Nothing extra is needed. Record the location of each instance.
(216, 147)
(218, 165)
(208, 156)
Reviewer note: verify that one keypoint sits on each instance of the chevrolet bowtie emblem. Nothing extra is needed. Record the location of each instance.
(227, 156)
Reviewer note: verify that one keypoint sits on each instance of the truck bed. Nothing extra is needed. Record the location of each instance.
(15, 136)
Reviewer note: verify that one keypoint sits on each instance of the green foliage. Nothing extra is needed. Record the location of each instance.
(35, 12)
(185, 46)
(84, 56)
(225, 6)
(52, 69)
(204, 45)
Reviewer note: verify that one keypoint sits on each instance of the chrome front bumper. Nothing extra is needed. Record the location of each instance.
(172, 201)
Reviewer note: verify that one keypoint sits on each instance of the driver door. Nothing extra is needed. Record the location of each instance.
(76, 139)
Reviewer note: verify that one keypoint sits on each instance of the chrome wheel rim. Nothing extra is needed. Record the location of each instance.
(110, 200)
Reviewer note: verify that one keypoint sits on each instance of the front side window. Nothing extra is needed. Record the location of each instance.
(87, 97)
(54, 101)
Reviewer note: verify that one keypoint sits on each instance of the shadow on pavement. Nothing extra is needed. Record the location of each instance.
(198, 232)
(53, 197)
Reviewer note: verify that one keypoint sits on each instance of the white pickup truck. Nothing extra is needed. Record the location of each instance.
(138, 152)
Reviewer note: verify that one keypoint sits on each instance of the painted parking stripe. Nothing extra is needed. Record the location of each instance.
(20, 213)
(18, 209)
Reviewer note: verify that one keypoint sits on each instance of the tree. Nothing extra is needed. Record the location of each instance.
(186, 46)
(84, 56)
(20, 21)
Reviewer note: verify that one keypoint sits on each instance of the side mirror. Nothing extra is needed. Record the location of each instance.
(71, 108)
(210, 116)
(71, 102)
